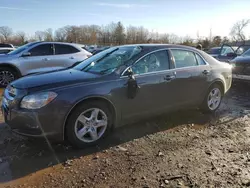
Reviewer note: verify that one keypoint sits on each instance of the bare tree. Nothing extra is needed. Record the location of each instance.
(217, 40)
(48, 35)
(206, 43)
(6, 32)
(187, 41)
(131, 34)
(225, 40)
(22, 36)
(39, 35)
(61, 34)
(237, 31)
(142, 35)
(119, 34)
(174, 39)
(164, 38)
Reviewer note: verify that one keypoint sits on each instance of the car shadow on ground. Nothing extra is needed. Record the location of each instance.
(24, 157)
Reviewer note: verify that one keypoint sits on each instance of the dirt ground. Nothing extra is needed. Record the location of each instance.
(182, 149)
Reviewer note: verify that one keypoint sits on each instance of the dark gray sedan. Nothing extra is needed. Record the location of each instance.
(112, 88)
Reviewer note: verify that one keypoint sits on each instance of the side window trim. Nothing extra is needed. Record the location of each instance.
(163, 49)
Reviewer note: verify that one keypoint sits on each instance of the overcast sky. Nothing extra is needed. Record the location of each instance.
(182, 17)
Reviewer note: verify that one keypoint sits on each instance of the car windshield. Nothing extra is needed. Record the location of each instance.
(22, 48)
(108, 60)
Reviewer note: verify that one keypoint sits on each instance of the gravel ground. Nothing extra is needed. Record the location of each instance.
(182, 149)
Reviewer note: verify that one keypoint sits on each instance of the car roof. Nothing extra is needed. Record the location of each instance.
(68, 43)
(159, 46)
(78, 46)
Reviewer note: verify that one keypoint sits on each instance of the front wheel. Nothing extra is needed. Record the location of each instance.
(7, 75)
(213, 99)
(88, 124)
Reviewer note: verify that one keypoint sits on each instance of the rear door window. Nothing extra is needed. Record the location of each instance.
(65, 49)
(42, 50)
(184, 58)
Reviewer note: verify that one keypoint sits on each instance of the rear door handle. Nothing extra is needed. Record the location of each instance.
(205, 72)
(169, 77)
(72, 58)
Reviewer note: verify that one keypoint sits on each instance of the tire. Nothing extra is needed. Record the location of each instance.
(7, 75)
(75, 128)
(210, 107)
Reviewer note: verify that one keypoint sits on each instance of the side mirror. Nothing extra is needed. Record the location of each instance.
(25, 54)
(132, 85)
(130, 73)
(231, 54)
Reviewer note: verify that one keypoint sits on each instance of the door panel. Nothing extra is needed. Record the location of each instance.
(155, 95)
(65, 56)
(41, 56)
(191, 76)
(154, 79)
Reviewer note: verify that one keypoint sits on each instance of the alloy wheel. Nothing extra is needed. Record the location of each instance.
(214, 99)
(6, 77)
(91, 125)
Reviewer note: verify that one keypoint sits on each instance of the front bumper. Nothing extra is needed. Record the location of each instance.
(34, 123)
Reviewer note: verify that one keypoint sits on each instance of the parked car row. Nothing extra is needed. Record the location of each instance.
(6, 48)
(226, 52)
(238, 57)
(83, 103)
(36, 57)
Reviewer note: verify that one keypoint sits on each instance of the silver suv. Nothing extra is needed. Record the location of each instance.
(38, 57)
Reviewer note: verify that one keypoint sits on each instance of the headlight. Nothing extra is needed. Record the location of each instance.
(38, 100)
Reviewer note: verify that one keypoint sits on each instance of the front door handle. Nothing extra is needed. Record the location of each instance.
(169, 77)
(72, 58)
(205, 72)
(46, 59)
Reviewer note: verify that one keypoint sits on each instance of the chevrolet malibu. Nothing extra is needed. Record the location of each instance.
(121, 84)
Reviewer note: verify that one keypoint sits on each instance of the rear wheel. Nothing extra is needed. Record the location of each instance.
(88, 124)
(7, 75)
(213, 98)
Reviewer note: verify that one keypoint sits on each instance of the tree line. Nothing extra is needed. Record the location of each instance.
(117, 34)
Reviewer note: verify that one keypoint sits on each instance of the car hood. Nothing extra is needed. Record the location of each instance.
(241, 59)
(6, 57)
(53, 79)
